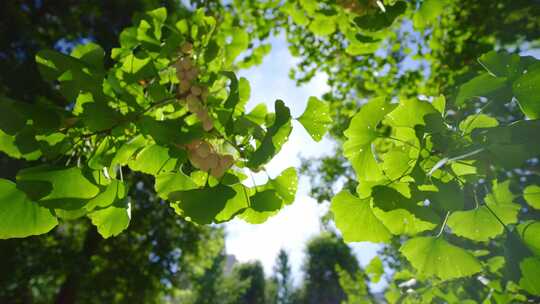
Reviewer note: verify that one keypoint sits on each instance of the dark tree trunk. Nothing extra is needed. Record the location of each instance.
(70, 287)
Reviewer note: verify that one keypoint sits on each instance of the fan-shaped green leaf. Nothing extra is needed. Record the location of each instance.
(530, 234)
(254, 217)
(316, 118)
(429, 11)
(322, 25)
(380, 20)
(500, 64)
(236, 205)
(478, 224)
(360, 134)
(433, 256)
(532, 196)
(126, 151)
(401, 215)
(203, 205)
(11, 120)
(500, 200)
(405, 222)
(275, 137)
(167, 183)
(113, 193)
(410, 112)
(477, 121)
(90, 53)
(23, 145)
(356, 221)
(57, 188)
(153, 159)
(375, 269)
(480, 86)
(285, 185)
(111, 220)
(530, 280)
(527, 91)
(266, 200)
(21, 217)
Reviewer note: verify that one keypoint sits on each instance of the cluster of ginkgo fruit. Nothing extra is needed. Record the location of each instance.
(192, 93)
(203, 156)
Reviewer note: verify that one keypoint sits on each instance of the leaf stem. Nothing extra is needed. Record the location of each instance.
(443, 224)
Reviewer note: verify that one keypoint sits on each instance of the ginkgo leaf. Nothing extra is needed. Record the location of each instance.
(153, 159)
(477, 121)
(478, 224)
(112, 220)
(480, 86)
(495, 263)
(285, 184)
(11, 120)
(429, 11)
(239, 43)
(127, 150)
(202, 205)
(276, 136)
(60, 188)
(530, 234)
(316, 118)
(532, 196)
(20, 217)
(433, 256)
(234, 206)
(401, 215)
(266, 200)
(527, 91)
(381, 19)
(500, 200)
(114, 192)
(167, 183)
(252, 216)
(510, 145)
(322, 25)
(404, 222)
(282, 192)
(356, 221)
(409, 113)
(530, 280)
(90, 53)
(500, 63)
(449, 197)
(23, 145)
(360, 134)
(375, 269)
(297, 14)
(439, 103)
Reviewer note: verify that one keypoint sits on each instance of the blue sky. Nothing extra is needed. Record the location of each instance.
(295, 224)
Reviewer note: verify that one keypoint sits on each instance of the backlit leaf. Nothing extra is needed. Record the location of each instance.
(433, 256)
(20, 217)
(316, 118)
(356, 221)
(532, 196)
(112, 220)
